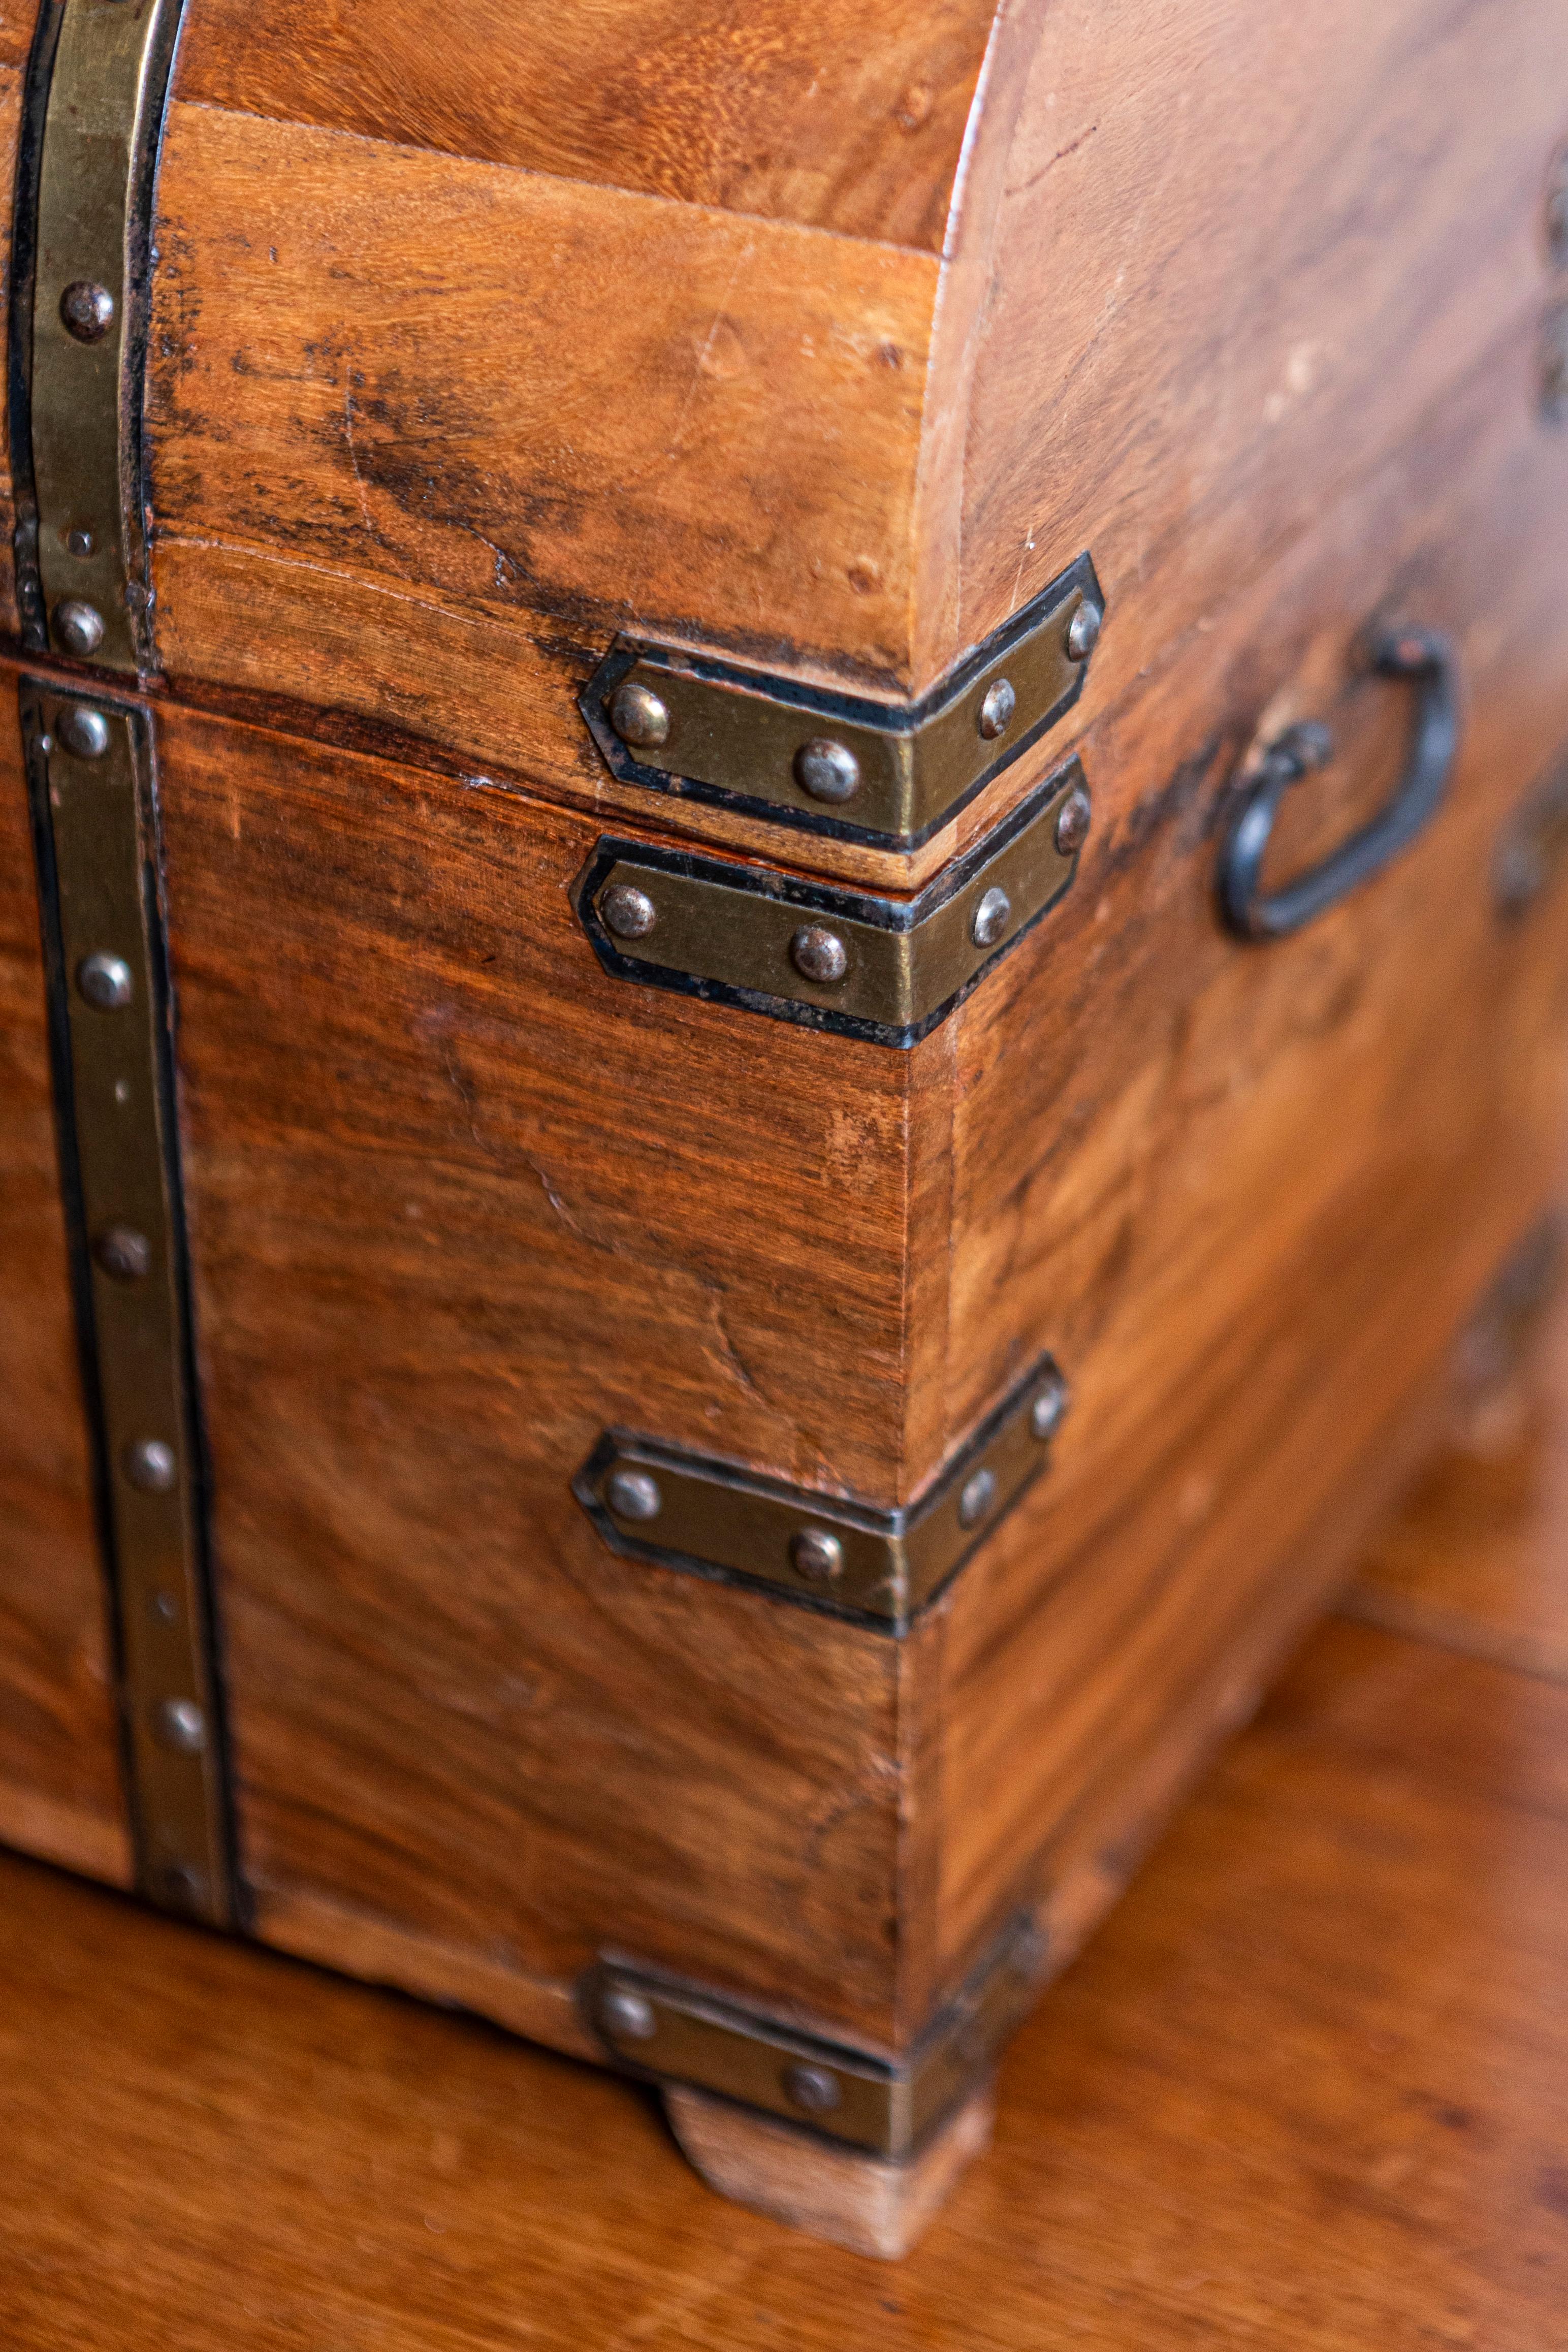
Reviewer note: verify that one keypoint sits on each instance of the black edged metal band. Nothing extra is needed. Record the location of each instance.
(667, 2032)
(92, 787)
(93, 118)
(658, 1503)
(884, 969)
(841, 765)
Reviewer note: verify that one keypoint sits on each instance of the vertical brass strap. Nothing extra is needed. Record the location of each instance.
(92, 783)
(97, 86)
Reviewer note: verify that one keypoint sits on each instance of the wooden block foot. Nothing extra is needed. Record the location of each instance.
(837, 2193)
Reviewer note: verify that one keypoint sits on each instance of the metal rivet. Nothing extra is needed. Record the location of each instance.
(828, 771)
(124, 1253)
(85, 732)
(996, 712)
(627, 911)
(78, 626)
(80, 542)
(105, 981)
(1072, 822)
(88, 310)
(979, 1493)
(163, 1609)
(820, 954)
(816, 1554)
(1049, 1406)
(151, 1465)
(182, 1726)
(812, 2088)
(638, 715)
(632, 1495)
(628, 2014)
(990, 918)
(1084, 631)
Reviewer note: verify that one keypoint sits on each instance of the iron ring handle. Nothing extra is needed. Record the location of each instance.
(1427, 662)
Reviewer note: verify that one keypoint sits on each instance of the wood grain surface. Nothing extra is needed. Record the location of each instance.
(1309, 2089)
(458, 1203)
(1478, 1561)
(1271, 243)
(436, 409)
(1245, 1197)
(850, 121)
(59, 1763)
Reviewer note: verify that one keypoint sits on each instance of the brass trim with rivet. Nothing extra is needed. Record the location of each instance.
(887, 773)
(92, 787)
(884, 969)
(668, 2032)
(99, 82)
(656, 1502)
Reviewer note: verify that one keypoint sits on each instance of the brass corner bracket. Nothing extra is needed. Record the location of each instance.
(654, 2026)
(889, 774)
(657, 1503)
(884, 969)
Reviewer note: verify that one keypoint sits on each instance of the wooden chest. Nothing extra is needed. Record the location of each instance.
(779, 946)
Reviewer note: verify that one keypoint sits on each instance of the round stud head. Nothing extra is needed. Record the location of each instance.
(88, 310)
(828, 771)
(1084, 631)
(638, 715)
(85, 732)
(124, 1253)
(627, 2016)
(820, 954)
(812, 2089)
(818, 1554)
(78, 626)
(105, 981)
(151, 1465)
(980, 1492)
(80, 542)
(182, 1726)
(990, 918)
(627, 911)
(1049, 1410)
(634, 1494)
(1073, 820)
(995, 712)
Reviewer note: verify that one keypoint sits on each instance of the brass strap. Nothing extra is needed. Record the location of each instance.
(99, 79)
(656, 2026)
(842, 765)
(884, 969)
(658, 1503)
(92, 786)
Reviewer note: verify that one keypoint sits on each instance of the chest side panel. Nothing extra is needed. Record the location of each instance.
(59, 1762)
(458, 1203)
(1238, 252)
(1247, 1194)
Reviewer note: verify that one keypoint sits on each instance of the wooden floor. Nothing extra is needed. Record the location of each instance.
(1309, 2087)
